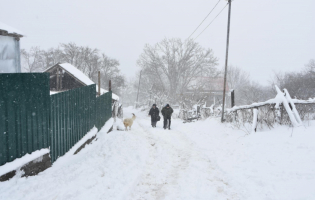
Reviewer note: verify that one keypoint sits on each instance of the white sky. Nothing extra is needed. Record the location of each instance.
(266, 36)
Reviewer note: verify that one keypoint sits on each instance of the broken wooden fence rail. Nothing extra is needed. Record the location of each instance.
(272, 111)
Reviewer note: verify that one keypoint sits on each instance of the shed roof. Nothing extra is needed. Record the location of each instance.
(10, 30)
(81, 77)
(77, 73)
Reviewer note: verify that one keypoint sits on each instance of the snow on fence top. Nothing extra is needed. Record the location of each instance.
(10, 30)
(270, 101)
(253, 105)
(103, 91)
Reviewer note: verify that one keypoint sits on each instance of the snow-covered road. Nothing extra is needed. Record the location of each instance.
(175, 167)
(201, 160)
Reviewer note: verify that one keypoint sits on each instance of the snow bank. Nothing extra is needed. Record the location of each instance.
(88, 136)
(108, 125)
(19, 162)
(275, 164)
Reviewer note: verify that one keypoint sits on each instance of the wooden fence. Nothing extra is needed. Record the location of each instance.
(281, 110)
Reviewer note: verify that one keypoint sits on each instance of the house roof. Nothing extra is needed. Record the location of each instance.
(10, 30)
(77, 73)
(74, 72)
(81, 77)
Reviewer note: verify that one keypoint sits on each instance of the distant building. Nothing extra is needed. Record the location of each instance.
(212, 88)
(66, 77)
(10, 61)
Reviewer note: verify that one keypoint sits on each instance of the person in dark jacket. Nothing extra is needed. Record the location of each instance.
(167, 114)
(154, 113)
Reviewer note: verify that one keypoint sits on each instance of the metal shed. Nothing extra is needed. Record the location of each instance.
(10, 61)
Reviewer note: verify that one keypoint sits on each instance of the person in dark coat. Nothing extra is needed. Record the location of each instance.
(154, 113)
(167, 114)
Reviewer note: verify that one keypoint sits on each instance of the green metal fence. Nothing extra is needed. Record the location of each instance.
(103, 109)
(72, 116)
(24, 114)
(31, 119)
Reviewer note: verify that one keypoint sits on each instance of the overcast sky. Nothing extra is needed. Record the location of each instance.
(266, 36)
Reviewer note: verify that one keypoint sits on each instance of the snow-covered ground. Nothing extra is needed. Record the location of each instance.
(200, 160)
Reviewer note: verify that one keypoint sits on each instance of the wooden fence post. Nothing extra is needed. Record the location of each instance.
(281, 113)
(255, 119)
(99, 83)
(232, 99)
(57, 80)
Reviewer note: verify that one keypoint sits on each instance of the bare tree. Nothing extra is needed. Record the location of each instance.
(109, 67)
(32, 60)
(72, 54)
(237, 78)
(310, 69)
(300, 84)
(52, 56)
(173, 64)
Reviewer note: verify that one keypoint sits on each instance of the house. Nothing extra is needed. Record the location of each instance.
(10, 60)
(212, 88)
(66, 77)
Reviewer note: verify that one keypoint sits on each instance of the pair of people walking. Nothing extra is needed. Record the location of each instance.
(166, 112)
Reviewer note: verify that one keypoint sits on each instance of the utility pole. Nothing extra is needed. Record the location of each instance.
(138, 90)
(226, 59)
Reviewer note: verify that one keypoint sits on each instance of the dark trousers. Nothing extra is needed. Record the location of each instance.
(165, 122)
(153, 123)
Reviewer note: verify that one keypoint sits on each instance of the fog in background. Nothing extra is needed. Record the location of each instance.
(266, 36)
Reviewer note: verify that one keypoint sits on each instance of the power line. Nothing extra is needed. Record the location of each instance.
(211, 21)
(204, 19)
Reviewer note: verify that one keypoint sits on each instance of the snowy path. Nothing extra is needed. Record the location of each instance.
(201, 160)
(176, 168)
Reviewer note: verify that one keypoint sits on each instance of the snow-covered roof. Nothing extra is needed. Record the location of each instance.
(10, 29)
(82, 77)
(77, 73)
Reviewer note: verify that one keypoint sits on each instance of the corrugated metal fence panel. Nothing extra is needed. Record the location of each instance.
(72, 116)
(24, 114)
(103, 109)
(31, 119)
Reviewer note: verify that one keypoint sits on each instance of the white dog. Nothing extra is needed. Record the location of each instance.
(129, 122)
